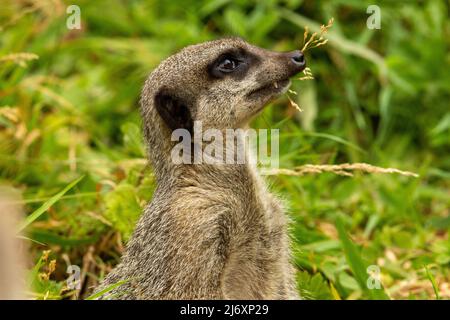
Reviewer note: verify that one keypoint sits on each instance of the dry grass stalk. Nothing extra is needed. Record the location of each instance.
(345, 169)
(307, 75)
(293, 104)
(315, 40)
(20, 58)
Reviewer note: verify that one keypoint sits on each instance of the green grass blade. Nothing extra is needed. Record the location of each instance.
(38, 212)
(325, 136)
(33, 275)
(433, 283)
(334, 292)
(32, 240)
(357, 265)
(106, 290)
(335, 139)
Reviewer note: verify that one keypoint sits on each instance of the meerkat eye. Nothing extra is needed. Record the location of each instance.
(233, 63)
(228, 65)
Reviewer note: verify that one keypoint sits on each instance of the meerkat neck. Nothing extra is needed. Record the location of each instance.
(221, 158)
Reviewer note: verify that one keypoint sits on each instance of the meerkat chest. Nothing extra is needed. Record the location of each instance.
(256, 267)
(263, 222)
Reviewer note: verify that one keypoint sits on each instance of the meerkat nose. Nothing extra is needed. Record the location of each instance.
(293, 61)
(298, 58)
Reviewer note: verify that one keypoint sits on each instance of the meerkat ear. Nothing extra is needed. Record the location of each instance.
(173, 110)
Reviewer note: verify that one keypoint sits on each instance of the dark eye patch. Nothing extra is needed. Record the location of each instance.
(228, 64)
(233, 63)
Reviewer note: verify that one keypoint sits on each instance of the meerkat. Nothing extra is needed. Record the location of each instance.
(210, 231)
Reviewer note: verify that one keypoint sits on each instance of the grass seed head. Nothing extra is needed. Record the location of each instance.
(315, 40)
(295, 105)
(344, 169)
(20, 58)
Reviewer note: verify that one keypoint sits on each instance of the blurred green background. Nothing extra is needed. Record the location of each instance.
(379, 96)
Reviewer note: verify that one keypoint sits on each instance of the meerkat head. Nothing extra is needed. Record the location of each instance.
(222, 83)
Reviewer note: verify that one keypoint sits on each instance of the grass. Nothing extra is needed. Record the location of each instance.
(69, 108)
(343, 169)
(42, 209)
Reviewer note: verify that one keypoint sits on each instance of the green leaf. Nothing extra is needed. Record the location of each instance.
(123, 209)
(348, 281)
(322, 246)
(132, 139)
(313, 287)
(38, 212)
(356, 263)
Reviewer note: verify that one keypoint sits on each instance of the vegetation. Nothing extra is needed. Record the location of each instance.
(69, 108)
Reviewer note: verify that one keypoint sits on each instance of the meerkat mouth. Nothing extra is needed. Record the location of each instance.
(272, 89)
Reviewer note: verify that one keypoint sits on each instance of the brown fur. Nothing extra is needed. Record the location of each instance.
(210, 231)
